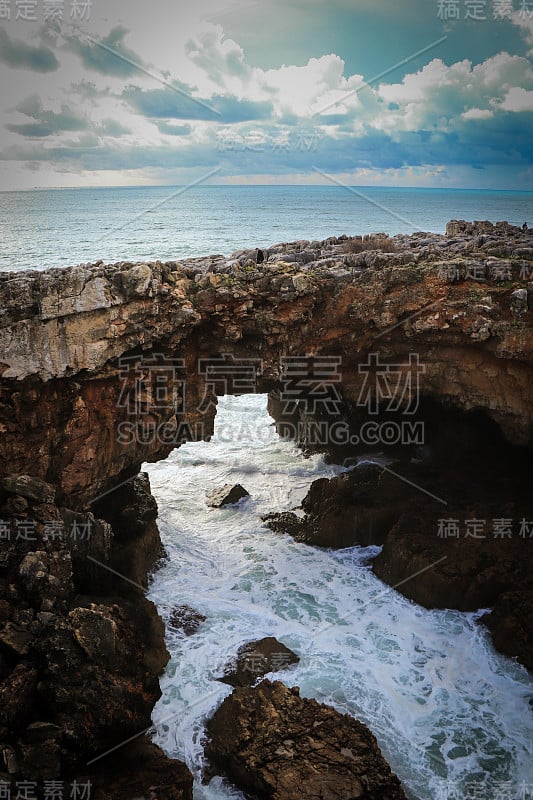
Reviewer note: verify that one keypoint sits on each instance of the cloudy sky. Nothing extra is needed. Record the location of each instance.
(417, 93)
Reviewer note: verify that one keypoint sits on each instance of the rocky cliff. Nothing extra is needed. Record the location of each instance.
(104, 367)
(70, 340)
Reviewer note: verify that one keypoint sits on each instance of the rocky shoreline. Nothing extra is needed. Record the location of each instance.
(81, 647)
(464, 542)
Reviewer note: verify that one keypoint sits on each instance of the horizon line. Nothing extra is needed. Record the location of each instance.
(262, 185)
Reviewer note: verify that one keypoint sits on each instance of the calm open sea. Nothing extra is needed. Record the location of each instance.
(61, 227)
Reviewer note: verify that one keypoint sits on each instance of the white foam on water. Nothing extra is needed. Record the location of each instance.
(450, 713)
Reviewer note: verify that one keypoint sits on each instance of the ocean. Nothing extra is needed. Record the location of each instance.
(63, 227)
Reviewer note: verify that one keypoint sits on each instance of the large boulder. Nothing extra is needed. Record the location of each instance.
(339, 512)
(139, 770)
(275, 744)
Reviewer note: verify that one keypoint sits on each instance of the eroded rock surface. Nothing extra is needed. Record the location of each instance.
(273, 743)
(82, 354)
(81, 648)
(227, 495)
(186, 619)
(455, 527)
(257, 658)
(74, 343)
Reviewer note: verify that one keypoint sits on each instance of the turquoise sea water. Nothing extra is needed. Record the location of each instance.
(52, 228)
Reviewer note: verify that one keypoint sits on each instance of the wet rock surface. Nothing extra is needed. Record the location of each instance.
(274, 744)
(227, 495)
(257, 658)
(337, 512)
(185, 619)
(511, 625)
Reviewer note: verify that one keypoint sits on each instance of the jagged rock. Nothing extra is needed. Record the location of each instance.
(47, 578)
(97, 634)
(226, 495)
(130, 508)
(17, 693)
(68, 415)
(186, 619)
(511, 625)
(274, 744)
(132, 512)
(14, 506)
(41, 760)
(29, 487)
(15, 639)
(337, 514)
(287, 522)
(139, 770)
(94, 683)
(406, 507)
(257, 658)
(519, 301)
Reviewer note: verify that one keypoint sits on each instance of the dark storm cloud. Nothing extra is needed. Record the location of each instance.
(504, 140)
(173, 130)
(45, 123)
(108, 56)
(19, 55)
(165, 103)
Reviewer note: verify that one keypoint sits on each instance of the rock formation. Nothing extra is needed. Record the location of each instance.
(82, 349)
(227, 495)
(275, 744)
(104, 367)
(257, 658)
(186, 619)
(81, 647)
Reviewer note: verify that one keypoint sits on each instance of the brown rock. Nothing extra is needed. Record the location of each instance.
(186, 619)
(15, 639)
(337, 512)
(17, 694)
(29, 487)
(226, 495)
(511, 625)
(274, 744)
(138, 770)
(257, 658)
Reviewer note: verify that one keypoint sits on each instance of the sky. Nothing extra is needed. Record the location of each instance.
(364, 92)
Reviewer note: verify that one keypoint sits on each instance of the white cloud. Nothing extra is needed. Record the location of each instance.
(437, 95)
(477, 113)
(517, 99)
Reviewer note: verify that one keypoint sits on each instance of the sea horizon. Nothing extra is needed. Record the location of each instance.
(270, 186)
(68, 226)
